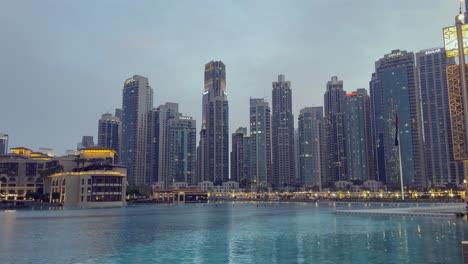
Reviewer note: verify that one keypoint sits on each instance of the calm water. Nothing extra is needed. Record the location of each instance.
(223, 233)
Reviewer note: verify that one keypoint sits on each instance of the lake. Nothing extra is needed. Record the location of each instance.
(226, 233)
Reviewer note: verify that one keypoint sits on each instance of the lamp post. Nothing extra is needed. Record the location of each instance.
(461, 59)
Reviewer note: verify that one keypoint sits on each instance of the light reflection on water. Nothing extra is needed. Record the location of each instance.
(227, 233)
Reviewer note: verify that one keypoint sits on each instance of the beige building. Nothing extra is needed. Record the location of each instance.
(93, 182)
(22, 171)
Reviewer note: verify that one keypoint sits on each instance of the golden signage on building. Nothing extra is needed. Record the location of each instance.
(457, 116)
(451, 43)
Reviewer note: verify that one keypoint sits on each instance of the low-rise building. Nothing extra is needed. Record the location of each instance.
(23, 171)
(97, 182)
(373, 185)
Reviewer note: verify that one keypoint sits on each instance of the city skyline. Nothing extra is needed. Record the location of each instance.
(82, 81)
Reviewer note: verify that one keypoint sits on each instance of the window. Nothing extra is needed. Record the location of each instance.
(82, 182)
(82, 190)
(81, 198)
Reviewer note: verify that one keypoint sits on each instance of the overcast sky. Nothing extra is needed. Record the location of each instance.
(63, 63)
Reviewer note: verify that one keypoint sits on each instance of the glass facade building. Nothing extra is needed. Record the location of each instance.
(283, 158)
(441, 168)
(358, 146)
(240, 158)
(3, 143)
(311, 160)
(260, 137)
(137, 101)
(334, 132)
(214, 135)
(395, 92)
(181, 150)
(110, 134)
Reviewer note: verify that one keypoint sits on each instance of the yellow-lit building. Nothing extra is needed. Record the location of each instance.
(22, 171)
(89, 180)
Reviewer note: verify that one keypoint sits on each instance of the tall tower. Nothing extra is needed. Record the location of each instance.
(3, 143)
(158, 120)
(260, 137)
(441, 168)
(311, 142)
(282, 134)
(110, 134)
(181, 143)
(137, 101)
(334, 131)
(240, 157)
(359, 156)
(394, 91)
(214, 136)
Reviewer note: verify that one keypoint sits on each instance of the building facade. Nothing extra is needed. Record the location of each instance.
(334, 132)
(86, 142)
(110, 134)
(283, 172)
(182, 141)
(311, 144)
(214, 136)
(158, 165)
(358, 141)
(240, 157)
(23, 171)
(137, 101)
(441, 168)
(3, 144)
(260, 138)
(395, 92)
(98, 183)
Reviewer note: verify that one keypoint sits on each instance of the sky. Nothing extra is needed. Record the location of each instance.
(63, 63)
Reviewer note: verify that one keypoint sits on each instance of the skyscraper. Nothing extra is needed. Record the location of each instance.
(137, 101)
(395, 92)
(282, 134)
(214, 136)
(240, 158)
(334, 131)
(260, 137)
(86, 142)
(158, 120)
(110, 134)
(3, 143)
(311, 143)
(441, 168)
(359, 155)
(181, 143)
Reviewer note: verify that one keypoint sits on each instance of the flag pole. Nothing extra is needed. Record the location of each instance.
(397, 143)
(401, 174)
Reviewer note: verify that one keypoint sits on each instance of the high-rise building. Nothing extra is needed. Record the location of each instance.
(441, 168)
(334, 132)
(282, 134)
(137, 101)
(311, 143)
(158, 166)
(181, 152)
(395, 96)
(240, 158)
(358, 141)
(110, 134)
(118, 113)
(260, 137)
(86, 142)
(214, 136)
(3, 143)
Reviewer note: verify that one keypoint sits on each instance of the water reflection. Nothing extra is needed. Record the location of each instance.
(226, 233)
